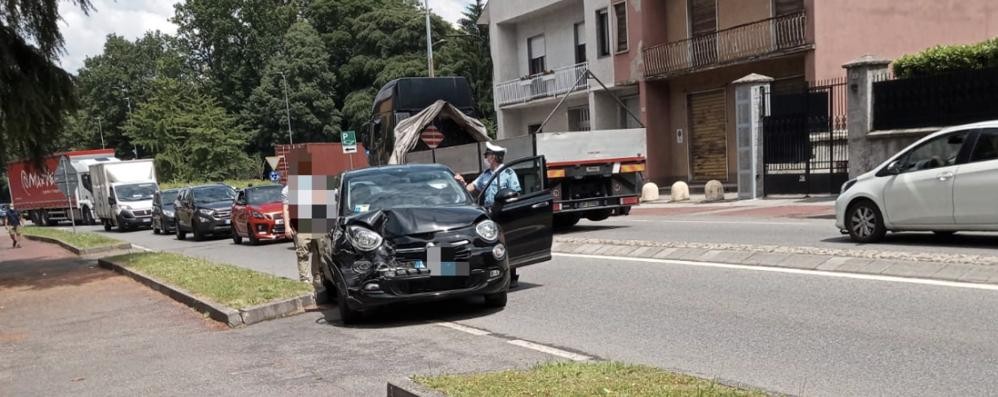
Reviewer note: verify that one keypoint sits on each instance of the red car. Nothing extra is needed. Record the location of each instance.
(257, 215)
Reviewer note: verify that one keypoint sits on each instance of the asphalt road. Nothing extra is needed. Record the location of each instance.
(820, 233)
(799, 334)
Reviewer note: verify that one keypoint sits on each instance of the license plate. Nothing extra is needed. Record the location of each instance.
(589, 204)
(279, 221)
(440, 268)
(147, 220)
(227, 221)
(593, 169)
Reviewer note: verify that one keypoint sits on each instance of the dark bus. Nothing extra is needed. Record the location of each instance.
(403, 98)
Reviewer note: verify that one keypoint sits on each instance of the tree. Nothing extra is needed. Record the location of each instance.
(192, 136)
(122, 76)
(311, 92)
(35, 93)
(469, 56)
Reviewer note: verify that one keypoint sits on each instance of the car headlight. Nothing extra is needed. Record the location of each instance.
(258, 215)
(848, 184)
(168, 214)
(206, 212)
(487, 230)
(126, 207)
(364, 239)
(499, 251)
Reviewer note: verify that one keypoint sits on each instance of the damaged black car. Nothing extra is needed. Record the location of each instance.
(412, 233)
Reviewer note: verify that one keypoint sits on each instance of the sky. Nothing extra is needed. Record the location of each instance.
(85, 35)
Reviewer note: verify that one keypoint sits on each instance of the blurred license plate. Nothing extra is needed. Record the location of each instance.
(147, 220)
(589, 204)
(440, 268)
(227, 221)
(279, 221)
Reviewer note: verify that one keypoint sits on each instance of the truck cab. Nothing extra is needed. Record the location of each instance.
(123, 193)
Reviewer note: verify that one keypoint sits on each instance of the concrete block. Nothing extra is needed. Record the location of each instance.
(804, 261)
(722, 256)
(687, 254)
(713, 191)
(832, 264)
(270, 311)
(664, 253)
(649, 192)
(914, 269)
(979, 274)
(620, 250)
(952, 272)
(862, 265)
(680, 191)
(766, 259)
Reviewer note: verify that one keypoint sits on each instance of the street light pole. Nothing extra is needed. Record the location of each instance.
(101, 130)
(287, 107)
(429, 39)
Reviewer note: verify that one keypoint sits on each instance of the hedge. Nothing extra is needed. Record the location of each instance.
(944, 59)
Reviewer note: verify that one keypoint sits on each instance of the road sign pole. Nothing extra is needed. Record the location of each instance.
(69, 199)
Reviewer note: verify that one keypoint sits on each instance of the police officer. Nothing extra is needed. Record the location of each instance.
(493, 162)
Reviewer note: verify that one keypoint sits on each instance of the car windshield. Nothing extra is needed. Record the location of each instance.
(136, 192)
(167, 198)
(263, 195)
(213, 194)
(403, 188)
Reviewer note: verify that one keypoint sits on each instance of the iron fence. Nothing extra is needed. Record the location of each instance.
(555, 82)
(935, 101)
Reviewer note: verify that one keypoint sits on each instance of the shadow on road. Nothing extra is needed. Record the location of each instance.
(587, 228)
(958, 240)
(38, 274)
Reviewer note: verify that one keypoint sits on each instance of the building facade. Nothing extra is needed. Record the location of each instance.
(672, 62)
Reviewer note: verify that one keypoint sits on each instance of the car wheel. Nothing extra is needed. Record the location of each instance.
(251, 235)
(944, 233)
(496, 300)
(107, 225)
(865, 223)
(196, 229)
(180, 232)
(347, 314)
(236, 238)
(566, 221)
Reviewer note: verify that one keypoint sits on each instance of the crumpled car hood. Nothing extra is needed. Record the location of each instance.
(408, 221)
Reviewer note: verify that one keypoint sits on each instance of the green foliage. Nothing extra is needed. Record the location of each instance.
(191, 135)
(35, 93)
(311, 89)
(469, 56)
(943, 59)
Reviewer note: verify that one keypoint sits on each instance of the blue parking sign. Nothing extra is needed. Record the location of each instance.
(274, 176)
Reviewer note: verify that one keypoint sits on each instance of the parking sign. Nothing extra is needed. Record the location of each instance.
(349, 141)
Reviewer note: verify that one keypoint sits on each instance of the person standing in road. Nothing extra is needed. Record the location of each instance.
(12, 221)
(306, 247)
(493, 161)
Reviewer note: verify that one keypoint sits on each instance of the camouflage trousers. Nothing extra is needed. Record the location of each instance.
(307, 249)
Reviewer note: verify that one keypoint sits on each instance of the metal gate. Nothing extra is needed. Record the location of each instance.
(805, 139)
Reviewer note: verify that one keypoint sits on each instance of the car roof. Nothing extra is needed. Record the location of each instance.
(962, 127)
(395, 168)
(210, 185)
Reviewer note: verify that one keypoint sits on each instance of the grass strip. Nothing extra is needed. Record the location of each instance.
(581, 379)
(231, 286)
(83, 240)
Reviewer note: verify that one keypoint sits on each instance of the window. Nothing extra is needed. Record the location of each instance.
(536, 51)
(620, 12)
(987, 146)
(785, 7)
(633, 104)
(703, 17)
(939, 152)
(580, 42)
(578, 119)
(602, 33)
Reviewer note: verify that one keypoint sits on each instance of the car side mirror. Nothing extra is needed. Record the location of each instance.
(506, 196)
(111, 201)
(894, 167)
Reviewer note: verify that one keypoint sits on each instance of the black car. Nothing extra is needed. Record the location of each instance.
(163, 211)
(412, 233)
(204, 210)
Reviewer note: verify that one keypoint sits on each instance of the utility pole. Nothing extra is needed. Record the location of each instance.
(429, 39)
(101, 130)
(287, 107)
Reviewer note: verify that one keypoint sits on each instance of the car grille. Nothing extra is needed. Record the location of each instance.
(276, 215)
(223, 214)
(142, 213)
(433, 284)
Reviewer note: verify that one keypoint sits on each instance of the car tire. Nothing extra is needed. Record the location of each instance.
(865, 223)
(236, 238)
(180, 232)
(121, 225)
(944, 233)
(566, 221)
(497, 300)
(251, 235)
(347, 314)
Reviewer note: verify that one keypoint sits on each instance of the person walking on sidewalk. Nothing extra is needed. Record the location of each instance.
(12, 221)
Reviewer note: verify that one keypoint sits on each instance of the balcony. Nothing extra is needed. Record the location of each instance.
(548, 84)
(773, 36)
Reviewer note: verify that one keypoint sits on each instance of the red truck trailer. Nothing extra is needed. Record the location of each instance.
(34, 192)
(334, 161)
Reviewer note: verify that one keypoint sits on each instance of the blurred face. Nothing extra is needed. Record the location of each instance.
(490, 160)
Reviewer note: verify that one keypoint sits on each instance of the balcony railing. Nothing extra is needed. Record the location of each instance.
(551, 83)
(739, 43)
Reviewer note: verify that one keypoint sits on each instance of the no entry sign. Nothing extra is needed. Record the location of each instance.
(432, 137)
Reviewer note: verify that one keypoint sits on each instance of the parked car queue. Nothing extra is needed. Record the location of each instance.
(254, 214)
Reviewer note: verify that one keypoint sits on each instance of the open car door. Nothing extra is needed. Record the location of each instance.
(525, 217)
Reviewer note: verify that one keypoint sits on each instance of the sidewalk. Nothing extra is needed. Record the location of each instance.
(798, 207)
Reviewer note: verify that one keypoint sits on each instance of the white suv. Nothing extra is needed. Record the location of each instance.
(945, 182)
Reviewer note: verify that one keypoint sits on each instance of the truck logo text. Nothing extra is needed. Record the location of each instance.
(35, 181)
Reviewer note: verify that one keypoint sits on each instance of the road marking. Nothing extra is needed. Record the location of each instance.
(872, 277)
(465, 329)
(141, 248)
(550, 350)
(723, 222)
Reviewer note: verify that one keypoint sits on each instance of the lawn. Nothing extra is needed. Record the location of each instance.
(81, 240)
(581, 379)
(231, 286)
(236, 183)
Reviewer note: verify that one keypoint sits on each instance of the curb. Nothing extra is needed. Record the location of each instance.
(80, 251)
(232, 317)
(957, 271)
(408, 388)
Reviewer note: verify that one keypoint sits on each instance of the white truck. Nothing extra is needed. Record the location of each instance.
(123, 193)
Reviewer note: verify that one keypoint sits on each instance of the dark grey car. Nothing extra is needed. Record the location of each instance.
(204, 210)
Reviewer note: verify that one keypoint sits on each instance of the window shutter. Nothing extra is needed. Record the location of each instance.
(784, 7)
(537, 49)
(703, 17)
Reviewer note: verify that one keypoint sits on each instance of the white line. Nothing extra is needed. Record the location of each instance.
(722, 222)
(893, 279)
(467, 330)
(550, 350)
(142, 248)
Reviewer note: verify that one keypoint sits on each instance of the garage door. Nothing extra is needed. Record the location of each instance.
(709, 141)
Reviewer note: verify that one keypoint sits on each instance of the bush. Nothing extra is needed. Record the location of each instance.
(944, 59)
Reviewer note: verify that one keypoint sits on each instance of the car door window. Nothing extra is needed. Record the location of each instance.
(526, 177)
(939, 152)
(987, 146)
